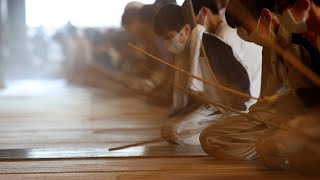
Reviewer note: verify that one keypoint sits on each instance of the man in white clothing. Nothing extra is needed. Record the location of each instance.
(248, 54)
(183, 39)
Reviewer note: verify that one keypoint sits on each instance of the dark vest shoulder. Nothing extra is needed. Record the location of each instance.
(228, 69)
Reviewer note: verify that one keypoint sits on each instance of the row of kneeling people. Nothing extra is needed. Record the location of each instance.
(245, 80)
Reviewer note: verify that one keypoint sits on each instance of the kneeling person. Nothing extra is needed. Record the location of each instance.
(185, 43)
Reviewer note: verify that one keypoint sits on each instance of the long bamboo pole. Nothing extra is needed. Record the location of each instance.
(204, 99)
(217, 85)
(292, 130)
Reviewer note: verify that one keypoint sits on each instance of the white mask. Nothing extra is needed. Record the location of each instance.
(173, 45)
(289, 22)
(260, 39)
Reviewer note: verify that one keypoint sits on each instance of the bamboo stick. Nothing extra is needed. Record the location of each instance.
(291, 130)
(303, 69)
(213, 76)
(297, 64)
(157, 140)
(137, 144)
(233, 91)
(231, 109)
(167, 137)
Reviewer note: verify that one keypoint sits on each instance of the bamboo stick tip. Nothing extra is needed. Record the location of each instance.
(113, 149)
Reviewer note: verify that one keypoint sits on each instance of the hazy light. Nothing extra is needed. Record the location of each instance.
(83, 13)
(33, 87)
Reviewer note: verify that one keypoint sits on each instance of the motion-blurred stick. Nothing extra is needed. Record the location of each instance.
(297, 64)
(137, 144)
(157, 140)
(168, 136)
(229, 108)
(291, 130)
(191, 75)
(272, 98)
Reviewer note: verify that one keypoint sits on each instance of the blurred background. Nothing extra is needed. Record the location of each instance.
(54, 38)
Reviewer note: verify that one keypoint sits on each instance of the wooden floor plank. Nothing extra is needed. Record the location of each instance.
(124, 164)
(144, 168)
(159, 175)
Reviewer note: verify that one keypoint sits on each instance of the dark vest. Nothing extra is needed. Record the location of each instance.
(228, 70)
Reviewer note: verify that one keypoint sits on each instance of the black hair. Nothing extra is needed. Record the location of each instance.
(211, 4)
(147, 13)
(161, 3)
(169, 18)
(128, 16)
(252, 8)
(282, 5)
(316, 2)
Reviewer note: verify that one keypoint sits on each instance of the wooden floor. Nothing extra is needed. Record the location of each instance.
(51, 130)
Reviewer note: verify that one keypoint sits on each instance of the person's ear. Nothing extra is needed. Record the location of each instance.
(265, 21)
(186, 33)
(266, 15)
(204, 11)
(303, 4)
(188, 30)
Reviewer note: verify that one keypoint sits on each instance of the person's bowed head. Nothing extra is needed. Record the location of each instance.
(172, 26)
(254, 20)
(301, 16)
(257, 20)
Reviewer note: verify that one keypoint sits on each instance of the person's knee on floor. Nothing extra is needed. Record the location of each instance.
(233, 138)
